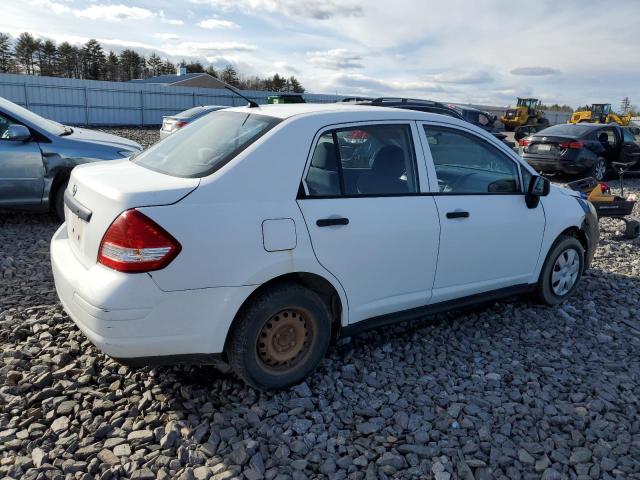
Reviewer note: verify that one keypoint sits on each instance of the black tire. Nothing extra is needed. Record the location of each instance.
(262, 319)
(600, 169)
(508, 128)
(545, 288)
(58, 200)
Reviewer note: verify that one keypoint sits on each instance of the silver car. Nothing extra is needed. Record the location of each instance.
(171, 123)
(37, 155)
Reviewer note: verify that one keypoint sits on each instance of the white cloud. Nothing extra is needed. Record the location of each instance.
(463, 78)
(55, 7)
(167, 37)
(285, 67)
(535, 71)
(316, 9)
(170, 21)
(337, 59)
(204, 49)
(357, 83)
(215, 23)
(114, 13)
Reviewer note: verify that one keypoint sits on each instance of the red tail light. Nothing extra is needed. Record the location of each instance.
(524, 142)
(180, 124)
(576, 145)
(134, 243)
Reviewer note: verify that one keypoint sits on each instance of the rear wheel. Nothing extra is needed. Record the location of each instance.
(599, 169)
(280, 337)
(562, 271)
(58, 200)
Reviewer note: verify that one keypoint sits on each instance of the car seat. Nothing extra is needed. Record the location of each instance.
(387, 168)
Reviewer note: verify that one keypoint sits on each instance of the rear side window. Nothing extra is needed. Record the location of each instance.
(205, 146)
(363, 160)
(465, 163)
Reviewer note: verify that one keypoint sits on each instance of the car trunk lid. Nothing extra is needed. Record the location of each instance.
(547, 145)
(99, 192)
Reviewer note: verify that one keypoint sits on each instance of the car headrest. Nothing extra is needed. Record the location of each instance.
(389, 161)
(603, 137)
(325, 157)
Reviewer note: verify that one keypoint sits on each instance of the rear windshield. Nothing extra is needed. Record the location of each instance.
(566, 130)
(204, 146)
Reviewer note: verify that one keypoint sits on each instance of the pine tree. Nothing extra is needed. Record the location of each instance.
(112, 67)
(48, 58)
(295, 85)
(93, 60)
(69, 60)
(6, 53)
(25, 51)
(155, 64)
(131, 64)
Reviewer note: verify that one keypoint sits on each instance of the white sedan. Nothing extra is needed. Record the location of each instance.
(257, 235)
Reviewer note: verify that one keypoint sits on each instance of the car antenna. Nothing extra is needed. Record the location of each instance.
(252, 104)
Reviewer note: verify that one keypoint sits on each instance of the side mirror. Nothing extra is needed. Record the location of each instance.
(538, 187)
(17, 133)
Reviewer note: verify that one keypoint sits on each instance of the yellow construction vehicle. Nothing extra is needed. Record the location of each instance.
(527, 112)
(599, 113)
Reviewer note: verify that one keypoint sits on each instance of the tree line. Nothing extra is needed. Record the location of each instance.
(29, 55)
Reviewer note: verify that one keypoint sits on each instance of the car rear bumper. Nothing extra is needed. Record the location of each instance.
(556, 165)
(127, 316)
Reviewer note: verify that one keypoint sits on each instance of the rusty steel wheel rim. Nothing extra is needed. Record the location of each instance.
(284, 339)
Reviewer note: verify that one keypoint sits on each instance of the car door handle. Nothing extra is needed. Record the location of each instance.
(458, 214)
(329, 222)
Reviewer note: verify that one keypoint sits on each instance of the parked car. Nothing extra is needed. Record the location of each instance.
(584, 149)
(37, 155)
(479, 118)
(171, 123)
(256, 235)
(430, 106)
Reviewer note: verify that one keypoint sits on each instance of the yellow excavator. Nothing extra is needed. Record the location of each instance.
(527, 112)
(599, 113)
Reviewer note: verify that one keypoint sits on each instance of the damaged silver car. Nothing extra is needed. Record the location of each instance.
(37, 155)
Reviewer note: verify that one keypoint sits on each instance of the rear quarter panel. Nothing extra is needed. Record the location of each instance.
(219, 225)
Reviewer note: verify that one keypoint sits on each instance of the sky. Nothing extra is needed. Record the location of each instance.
(487, 52)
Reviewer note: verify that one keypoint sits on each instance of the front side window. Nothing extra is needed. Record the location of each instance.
(363, 160)
(628, 136)
(465, 163)
(206, 146)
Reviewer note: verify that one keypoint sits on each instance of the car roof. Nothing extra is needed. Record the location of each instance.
(288, 110)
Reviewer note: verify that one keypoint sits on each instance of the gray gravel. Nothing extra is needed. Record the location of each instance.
(510, 390)
(146, 136)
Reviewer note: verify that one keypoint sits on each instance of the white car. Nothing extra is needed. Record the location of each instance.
(257, 235)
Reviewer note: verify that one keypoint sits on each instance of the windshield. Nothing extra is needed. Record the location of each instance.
(206, 145)
(22, 114)
(566, 130)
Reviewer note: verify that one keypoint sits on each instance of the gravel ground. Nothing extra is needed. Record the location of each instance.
(510, 390)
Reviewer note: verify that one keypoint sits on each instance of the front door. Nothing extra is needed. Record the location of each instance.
(21, 170)
(368, 224)
(490, 239)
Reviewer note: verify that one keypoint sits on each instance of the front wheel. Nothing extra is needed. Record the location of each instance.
(280, 337)
(562, 271)
(58, 200)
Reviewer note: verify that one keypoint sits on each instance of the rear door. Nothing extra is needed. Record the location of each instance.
(369, 225)
(630, 149)
(21, 169)
(490, 239)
